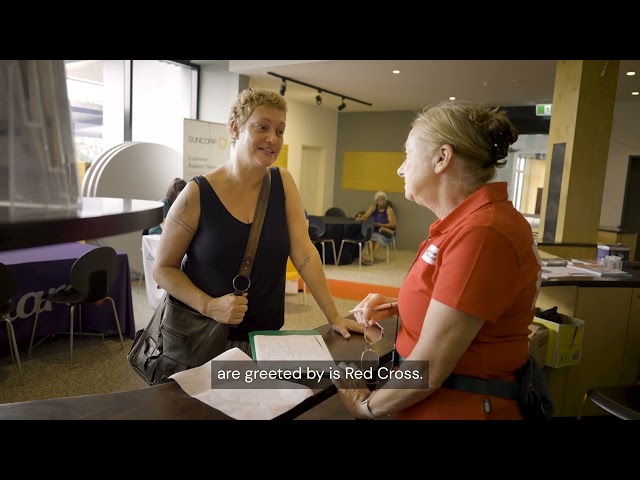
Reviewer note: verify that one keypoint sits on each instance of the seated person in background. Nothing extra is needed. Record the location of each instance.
(175, 187)
(384, 222)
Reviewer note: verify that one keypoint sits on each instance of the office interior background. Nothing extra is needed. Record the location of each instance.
(114, 101)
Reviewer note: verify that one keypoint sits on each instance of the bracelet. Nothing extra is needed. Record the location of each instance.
(364, 406)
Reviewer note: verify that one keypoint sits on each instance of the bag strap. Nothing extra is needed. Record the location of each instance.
(484, 386)
(256, 226)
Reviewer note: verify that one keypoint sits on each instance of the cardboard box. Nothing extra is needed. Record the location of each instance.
(539, 342)
(565, 340)
(617, 249)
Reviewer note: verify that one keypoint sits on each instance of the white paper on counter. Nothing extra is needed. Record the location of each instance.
(241, 403)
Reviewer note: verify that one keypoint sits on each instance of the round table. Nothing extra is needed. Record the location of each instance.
(96, 217)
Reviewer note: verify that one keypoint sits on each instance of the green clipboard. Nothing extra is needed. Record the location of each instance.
(277, 333)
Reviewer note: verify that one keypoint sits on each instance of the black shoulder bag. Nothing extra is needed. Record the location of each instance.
(177, 337)
(530, 389)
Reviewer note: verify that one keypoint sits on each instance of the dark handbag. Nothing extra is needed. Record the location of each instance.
(530, 389)
(177, 337)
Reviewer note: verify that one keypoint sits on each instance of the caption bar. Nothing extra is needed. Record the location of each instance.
(288, 374)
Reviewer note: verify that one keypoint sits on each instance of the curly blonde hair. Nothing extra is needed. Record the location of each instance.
(247, 101)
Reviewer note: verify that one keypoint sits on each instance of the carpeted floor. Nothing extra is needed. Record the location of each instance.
(100, 365)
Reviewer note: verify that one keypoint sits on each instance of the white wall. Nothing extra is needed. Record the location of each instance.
(218, 89)
(625, 142)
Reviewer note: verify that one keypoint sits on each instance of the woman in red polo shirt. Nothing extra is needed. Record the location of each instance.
(470, 294)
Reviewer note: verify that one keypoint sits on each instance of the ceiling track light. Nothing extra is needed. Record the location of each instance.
(342, 106)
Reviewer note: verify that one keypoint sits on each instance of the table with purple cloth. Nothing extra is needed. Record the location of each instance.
(339, 228)
(46, 269)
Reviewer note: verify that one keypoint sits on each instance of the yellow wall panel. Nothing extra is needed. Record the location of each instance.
(372, 171)
(283, 158)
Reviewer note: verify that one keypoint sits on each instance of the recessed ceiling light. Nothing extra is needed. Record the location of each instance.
(452, 98)
(396, 71)
(635, 93)
(631, 73)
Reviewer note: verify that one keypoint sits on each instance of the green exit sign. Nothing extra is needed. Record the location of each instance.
(543, 110)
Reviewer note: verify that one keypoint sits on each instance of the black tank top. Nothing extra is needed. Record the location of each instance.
(215, 253)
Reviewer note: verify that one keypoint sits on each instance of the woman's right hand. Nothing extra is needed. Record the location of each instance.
(372, 300)
(228, 309)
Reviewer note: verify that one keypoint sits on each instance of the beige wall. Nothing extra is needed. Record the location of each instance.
(307, 125)
(311, 126)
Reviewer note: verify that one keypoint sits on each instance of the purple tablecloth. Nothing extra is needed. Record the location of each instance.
(45, 269)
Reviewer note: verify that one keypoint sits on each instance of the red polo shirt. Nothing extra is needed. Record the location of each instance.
(479, 259)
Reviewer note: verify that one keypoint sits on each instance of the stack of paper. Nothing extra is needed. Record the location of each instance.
(601, 271)
(292, 345)
(582, 269)
(549, 273)
(301, 351)
(554, 262)
(241, 403)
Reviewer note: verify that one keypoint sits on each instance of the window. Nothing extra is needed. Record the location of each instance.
(164, 94)
(106, 111)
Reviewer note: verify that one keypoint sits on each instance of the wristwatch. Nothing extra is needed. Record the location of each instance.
(364, 406)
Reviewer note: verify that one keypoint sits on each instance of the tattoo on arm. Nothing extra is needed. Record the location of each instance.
(303, 264)
(181, 209)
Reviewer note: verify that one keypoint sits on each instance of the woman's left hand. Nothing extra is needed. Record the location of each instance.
(343, 326)
(352, 391)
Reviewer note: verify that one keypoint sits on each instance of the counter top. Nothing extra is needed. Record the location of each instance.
(95, 218)
(631, 282)
(605, 228)
(169, 402)
(567, 244)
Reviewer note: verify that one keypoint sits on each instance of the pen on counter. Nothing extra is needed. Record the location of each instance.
(384, 306)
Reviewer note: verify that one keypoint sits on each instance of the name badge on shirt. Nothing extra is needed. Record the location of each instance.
(430, 255)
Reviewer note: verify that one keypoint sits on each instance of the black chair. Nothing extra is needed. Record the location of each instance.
(317, 229)
(92, 275)
(393, 238)
(393, 242)
(363, 239)
(623, 401)
(7, 289)
(335, 212)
